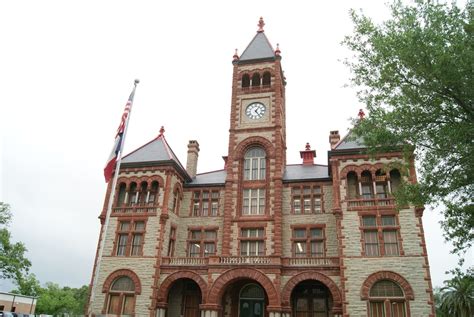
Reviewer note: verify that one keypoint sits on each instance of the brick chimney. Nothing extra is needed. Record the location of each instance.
(334, 138)
(226, 159)
(192, 161)
(308, 155)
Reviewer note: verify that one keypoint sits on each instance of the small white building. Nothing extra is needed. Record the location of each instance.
(17, 303)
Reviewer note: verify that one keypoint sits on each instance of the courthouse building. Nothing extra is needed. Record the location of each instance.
(261, 237)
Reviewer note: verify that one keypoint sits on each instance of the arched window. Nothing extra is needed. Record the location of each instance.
(395, 179)
(267, 79)
(381, 184)
(366, 185)
(254, 164)
(386, 298)
(121, 299)
(153, 194)
(122, 195)
(245, 81)
(351, 185)
(255, 80)
(176, 200)
(142, 196)
(133, 194)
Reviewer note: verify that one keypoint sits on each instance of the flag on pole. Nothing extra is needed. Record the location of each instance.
(112, 161)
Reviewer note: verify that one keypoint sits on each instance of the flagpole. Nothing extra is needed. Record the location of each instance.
(104, 228)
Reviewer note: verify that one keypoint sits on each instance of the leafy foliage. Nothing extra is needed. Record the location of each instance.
(54, 300)
(28, 285)
(13, 263)
(457, 297)
(415, 75)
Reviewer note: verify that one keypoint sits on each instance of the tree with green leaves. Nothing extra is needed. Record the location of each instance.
(54, 300)
(28, 285)
(457, 297)
(13, 263)
(414, 73)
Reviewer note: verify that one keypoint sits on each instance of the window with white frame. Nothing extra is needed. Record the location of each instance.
(252, 242)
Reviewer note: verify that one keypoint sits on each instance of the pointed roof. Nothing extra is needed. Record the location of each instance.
(155, 152)
(349, 142)
(259, 48)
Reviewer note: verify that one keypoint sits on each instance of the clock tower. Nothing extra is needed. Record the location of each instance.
(257, 149)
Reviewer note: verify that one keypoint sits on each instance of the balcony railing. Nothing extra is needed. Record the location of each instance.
(185, 261)
(245, 260)
(250, 260)
(354, 203)
(313, 262)
(134, 209)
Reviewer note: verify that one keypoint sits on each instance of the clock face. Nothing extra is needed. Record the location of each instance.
(255, 110)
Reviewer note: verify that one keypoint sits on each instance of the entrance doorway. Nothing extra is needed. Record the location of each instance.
(311, 298)
(251, 301)
(184, 298)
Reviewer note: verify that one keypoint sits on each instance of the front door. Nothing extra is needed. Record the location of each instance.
(251, 308)
(252, 301)
(310, 299)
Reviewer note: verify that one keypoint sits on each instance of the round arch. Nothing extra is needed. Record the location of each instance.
(253, 141)
(170, 279)
(315, 276)
(122, 272)
(219, 285)
(358, 169)
(386, 275)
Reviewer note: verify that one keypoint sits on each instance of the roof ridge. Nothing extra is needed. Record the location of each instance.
(171, 153)
(220, 170)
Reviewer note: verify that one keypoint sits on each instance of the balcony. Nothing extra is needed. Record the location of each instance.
(251, 261)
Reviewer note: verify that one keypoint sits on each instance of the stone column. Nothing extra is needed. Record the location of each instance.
(160, 312)
(209, 313)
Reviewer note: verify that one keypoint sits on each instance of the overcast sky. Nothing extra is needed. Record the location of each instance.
(67, 68)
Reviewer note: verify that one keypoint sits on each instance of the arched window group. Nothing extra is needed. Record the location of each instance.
(138, 194)
(370, 185)
(256, 79)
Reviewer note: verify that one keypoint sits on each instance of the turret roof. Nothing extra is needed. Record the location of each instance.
(259, 48)
(155, 152)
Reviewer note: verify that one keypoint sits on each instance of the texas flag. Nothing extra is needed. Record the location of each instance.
(119, 138)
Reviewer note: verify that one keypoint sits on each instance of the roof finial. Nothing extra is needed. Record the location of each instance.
(361, 114)
(260, 25)
(307, 146)
(162, 131)
(236, 55)
(277, 51)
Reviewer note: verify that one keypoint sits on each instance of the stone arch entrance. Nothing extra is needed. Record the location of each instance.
(233, 275)
(181, 295)
(243, 293)
(324, 290)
